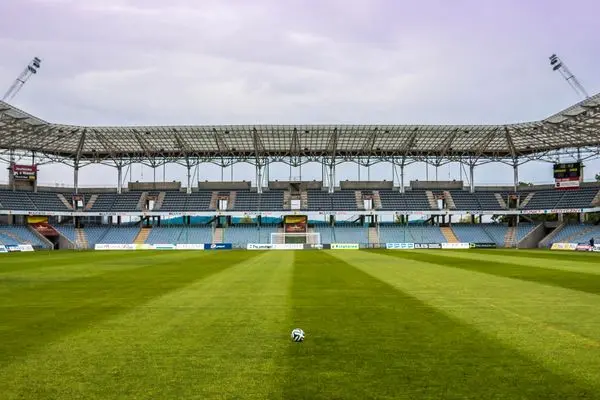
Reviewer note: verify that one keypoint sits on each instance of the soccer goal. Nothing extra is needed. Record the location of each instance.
(303, 237)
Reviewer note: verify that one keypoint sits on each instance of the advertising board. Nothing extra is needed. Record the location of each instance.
(122, 246)
(218, 246)
(583, 247)
(189, 246)
(345, 246)
(597, 247)
(399, 246)
(564, 246)
(428, 245)
(161, 246)
(24, 172)
(3, 249)
(483, 245)
(259, 246)
(455, 246)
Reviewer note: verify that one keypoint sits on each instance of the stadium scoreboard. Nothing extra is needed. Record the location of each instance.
(567, 175)
(564, 171)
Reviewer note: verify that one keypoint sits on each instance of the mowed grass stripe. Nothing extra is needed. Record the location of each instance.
(33, 316)
(557, 327)
(22, 263)
(581, 281)
(544, 254)
(219, 337)
(366, 339)
(513, 256)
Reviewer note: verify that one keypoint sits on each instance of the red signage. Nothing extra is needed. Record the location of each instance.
(25, 172)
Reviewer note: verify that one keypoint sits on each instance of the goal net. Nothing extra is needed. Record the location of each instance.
(304, 238)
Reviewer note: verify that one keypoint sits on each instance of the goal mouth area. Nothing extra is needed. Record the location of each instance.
(293, 238)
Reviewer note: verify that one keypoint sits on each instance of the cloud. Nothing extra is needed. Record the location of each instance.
(108, 62)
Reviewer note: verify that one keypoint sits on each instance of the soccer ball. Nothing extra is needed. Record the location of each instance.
(298, 335)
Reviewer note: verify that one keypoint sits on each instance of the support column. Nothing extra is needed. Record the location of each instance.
(402, 178)
(472, 178)
(331, 178)
(259, 177)
(516, 175)
(189, 179)
(119, 179)
(76, 178)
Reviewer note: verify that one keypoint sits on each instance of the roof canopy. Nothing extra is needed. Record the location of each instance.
(577, 127)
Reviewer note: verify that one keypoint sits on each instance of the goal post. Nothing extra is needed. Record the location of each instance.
(288, 238)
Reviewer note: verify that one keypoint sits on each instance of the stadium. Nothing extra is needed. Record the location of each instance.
(161, 298)
(325, 212)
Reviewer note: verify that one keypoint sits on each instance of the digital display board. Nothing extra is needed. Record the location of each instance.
(567, 171)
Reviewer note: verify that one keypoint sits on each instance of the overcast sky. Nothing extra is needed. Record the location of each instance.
(110, 62)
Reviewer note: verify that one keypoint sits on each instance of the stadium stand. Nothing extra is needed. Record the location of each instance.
(241, 234)
(397, 233)
(17, 234)
(580, 233)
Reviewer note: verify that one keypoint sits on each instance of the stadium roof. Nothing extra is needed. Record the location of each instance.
(577, 127)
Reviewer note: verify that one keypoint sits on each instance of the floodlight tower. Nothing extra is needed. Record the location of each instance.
(558, 65)
(30, 70)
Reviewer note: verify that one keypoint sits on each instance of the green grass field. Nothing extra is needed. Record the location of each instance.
(490, 324)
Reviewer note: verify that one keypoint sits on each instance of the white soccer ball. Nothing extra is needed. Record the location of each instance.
(298, 335)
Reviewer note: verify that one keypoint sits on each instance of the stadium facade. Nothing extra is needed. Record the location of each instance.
(77, 217)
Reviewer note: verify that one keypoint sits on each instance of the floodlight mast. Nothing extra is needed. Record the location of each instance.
(30, 70)
(558, 65)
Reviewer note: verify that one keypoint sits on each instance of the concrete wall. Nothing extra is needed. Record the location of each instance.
(304, 185)
(148, 186)
(437, 185)
(533, 238)
(367, 185)
(224, 186)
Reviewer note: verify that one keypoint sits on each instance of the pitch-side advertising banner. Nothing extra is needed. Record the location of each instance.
(583, 247)
(456, 246)
(189, 246)
(15, 248)
(345, 246)
(123, 246)
(483, 245)
(399, 246)
(267, 246)
(428, 245)
(597, 247)
(564, 246)
(218, 246)
(259, 246)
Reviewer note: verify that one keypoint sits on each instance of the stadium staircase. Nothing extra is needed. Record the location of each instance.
(449, 234)
(218, 235)
(81, 238)
(231, 202)
(287, 200)
(373, 235)
(596, 201)
(142, 235)
(159, 201)
(449, 200)
(141, 205)
(376, 200)
(360, 205)
(501, 201)
(304, 200)
(431, 199)
(213, 201)
(527, 199)
(91, 202)
(510, 237)
(64, 201)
